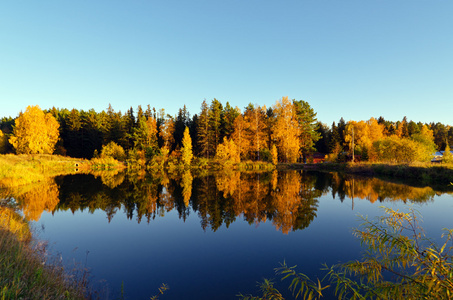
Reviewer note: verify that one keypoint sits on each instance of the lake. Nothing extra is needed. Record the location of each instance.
(212, 236)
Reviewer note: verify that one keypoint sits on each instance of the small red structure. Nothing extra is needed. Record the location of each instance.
(317, 157)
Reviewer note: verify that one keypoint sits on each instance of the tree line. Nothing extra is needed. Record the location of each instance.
(385, 141)
(218, 130)
(286, 132)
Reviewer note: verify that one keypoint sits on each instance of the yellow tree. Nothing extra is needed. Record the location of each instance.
(228, 151)
(286, 130)
(34, 132)
(3, 142)
(187, 154)
(255, 118)
(240, 136)
(274, 155)
(364, 134)
(167, 129)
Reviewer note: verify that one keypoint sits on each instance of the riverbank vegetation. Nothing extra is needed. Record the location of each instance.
(26, 273)
(400, 263)
(25, 169)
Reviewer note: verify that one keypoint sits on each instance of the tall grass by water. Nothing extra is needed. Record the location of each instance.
(25, 273)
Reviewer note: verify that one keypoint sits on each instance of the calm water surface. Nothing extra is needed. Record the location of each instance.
(212, 237)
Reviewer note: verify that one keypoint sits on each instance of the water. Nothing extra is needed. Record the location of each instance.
(212, 237)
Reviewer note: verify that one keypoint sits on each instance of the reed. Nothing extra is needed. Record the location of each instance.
(25, 273)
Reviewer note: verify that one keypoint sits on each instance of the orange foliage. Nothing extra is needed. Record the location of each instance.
(35, 132)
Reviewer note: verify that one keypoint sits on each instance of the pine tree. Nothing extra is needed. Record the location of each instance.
(215, 124)
(306, 118)
(203, 131)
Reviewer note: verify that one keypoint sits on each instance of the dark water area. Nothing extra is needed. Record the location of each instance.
(214, 236)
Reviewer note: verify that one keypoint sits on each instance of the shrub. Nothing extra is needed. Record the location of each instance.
(113, 150)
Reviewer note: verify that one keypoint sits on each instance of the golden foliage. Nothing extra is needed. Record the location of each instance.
(35, 132)
(286, 130)
(167, 128)
(274, 155)
(255, 118)
(114, 151)
(187, 154)
(365, 134)
(240, 136)
(228, 151)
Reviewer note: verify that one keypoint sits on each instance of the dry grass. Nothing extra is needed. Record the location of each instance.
(25, 274)
(18, 170)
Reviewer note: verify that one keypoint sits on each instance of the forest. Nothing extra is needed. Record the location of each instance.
(286, 132)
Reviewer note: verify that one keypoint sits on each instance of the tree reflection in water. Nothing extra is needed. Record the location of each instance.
(288, 199)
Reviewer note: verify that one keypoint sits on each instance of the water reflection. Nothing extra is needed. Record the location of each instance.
(288, 199)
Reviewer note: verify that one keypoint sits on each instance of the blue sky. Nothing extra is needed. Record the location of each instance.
(350, 59)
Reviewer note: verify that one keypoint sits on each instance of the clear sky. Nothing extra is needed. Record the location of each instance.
(350, 59)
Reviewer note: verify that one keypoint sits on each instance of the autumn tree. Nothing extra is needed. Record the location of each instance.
(362, 134)
(274, 155)
(286, 130)
(113, 150)
(228, 151)
(240, 136)
(166, 132)
(447, 157)
(186, 150)
(34, 132)
(255, 117)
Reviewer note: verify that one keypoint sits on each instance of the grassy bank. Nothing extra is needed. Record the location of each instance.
(24, 169)
(24, 273)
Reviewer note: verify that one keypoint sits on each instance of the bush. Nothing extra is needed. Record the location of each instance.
(396, 150)
(113, 150)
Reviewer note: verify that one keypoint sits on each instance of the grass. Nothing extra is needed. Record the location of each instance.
(25, 274)
(18, 170)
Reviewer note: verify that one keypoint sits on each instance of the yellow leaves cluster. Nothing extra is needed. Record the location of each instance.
(286, 130)
(35, 132)
(228, 151)
(365, 133)
(186, 150)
